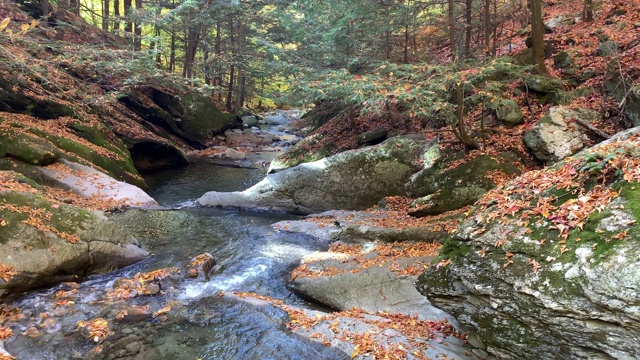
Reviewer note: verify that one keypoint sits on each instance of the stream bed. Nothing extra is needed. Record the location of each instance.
(252, 257)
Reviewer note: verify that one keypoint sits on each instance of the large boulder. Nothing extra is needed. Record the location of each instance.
(509, 111)
(548, 265)
(191, 117)
(44, 242)
(36, 143)
(371, 280)
(443, 186)
(275, 120)
(555, 137)
(351, 180)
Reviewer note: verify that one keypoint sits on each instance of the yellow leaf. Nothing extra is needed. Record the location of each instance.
(4, 23)
(356, 352)
(24, 27)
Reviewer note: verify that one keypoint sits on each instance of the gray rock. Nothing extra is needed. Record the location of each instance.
(234, 154)
(4, 352)
(89, 182)
(442, 187)
(70, 244)
(561, 20)
(250, 121)
(351, 180)
(553, 138)
(331, 331)
(509, 111)
(372, 289)
(563, 60)
(348, 226)
(275, 120)
(626, 94)
(543, 84)
(579, 300)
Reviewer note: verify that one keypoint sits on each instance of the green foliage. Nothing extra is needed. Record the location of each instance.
(428, 90)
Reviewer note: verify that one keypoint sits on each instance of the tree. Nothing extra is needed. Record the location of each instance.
(452, 30)
(105, 15)
(537, 35)
(587, 13)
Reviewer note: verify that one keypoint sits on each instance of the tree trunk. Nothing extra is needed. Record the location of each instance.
(406, 44)
(218, 50)
(537, 33)
(191, 49)
(460, 131)
(232, 70)
(240, 90)
(487, 25)
(468, 27)
(105, 15)
(46, 8)
(158, 55)
(172, 56)
(587, 14)
(137, 39)
(128, 27)
(452, 31)
(387, 45)
(116, 15)
(207, 68)
(75, 5)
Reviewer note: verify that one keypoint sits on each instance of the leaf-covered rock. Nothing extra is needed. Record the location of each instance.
(450, 183)
(548, 263)
(554, 137)
(48, 242)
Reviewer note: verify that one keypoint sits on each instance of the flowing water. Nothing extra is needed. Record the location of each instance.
(251, 257)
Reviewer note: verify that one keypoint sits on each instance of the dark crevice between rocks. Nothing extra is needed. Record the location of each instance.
(149, 156)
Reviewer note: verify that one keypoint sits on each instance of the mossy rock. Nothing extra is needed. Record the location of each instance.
(188, 115)
(509, 111)
(42, 255)
(201, 119)
(300, 154)
(152, 155)
(27, 148)
(616, 87)
(120, 169)
(18, 177)
(441, 188)
(101, 136)
(524, 289)
(18, 102)
(543, 84)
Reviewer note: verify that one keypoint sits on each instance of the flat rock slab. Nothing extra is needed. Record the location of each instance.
(357, 226)
(348, 334)
(372, 289)
(89, 182)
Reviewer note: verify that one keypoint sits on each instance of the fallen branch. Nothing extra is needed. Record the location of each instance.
(592, 128)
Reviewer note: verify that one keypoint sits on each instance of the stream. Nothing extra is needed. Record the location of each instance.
(200, 325)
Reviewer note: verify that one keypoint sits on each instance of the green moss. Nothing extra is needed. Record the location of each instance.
(631, 193)
(452, 249)
(27, 148)
(96, 136)
(120, 169)
(64, 218)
